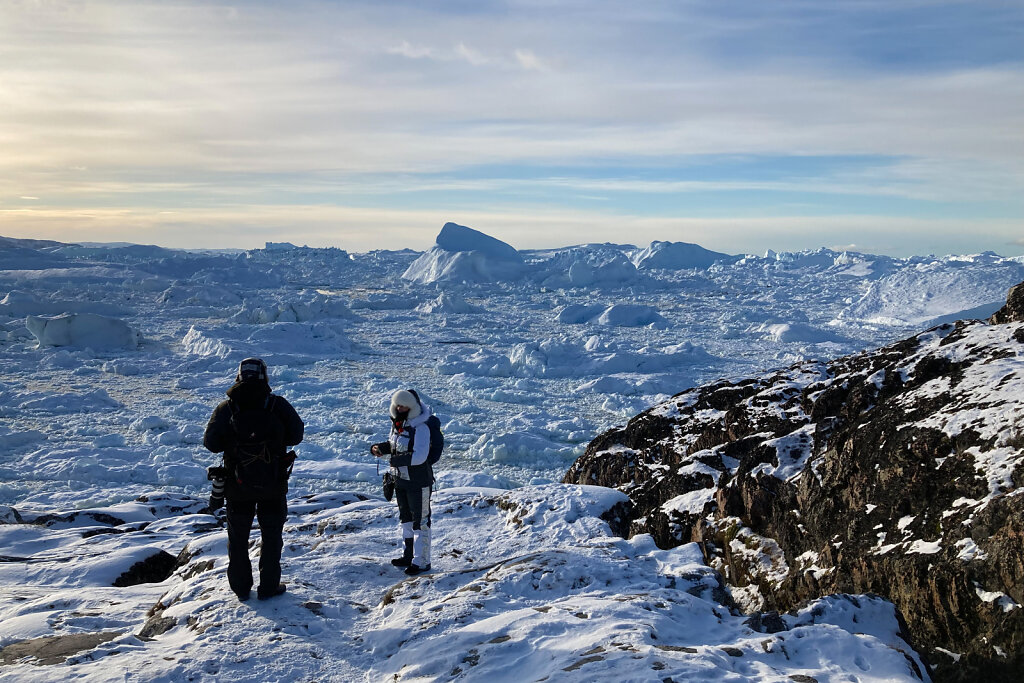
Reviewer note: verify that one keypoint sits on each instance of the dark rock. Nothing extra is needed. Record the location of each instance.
(846, 472)
(10, 515)
(54, 649)
(154, 569)
(99, 517)
(155, 626)
(1013, 311)
(767, 622)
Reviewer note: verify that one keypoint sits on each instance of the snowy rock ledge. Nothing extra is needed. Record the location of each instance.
(528, 585)
(896, 472)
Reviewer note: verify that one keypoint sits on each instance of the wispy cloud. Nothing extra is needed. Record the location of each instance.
(528, 60)
(406, 49)
(171, 105)
(471, 55)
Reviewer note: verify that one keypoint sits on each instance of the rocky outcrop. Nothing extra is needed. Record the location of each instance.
(896, 472)
(1013, 311)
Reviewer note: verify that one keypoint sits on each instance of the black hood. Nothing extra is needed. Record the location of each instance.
(250, 393)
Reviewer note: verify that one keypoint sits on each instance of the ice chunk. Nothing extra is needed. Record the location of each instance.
(677, 256)
(83, 330)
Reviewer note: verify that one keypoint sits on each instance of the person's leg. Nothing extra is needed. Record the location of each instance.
(420, 502)
(271, 514)
(239, 521)
(405, 517)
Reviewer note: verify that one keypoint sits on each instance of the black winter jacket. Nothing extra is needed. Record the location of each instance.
(220, 436)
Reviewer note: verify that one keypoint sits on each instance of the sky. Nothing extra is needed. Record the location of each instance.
(869, 125)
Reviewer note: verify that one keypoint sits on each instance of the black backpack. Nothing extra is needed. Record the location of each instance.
(436, 439)
(260, 469)
(436, 435)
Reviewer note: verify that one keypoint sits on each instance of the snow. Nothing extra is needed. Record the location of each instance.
(795, 332)
(530, 585)
(924, 547)
(929, 291)
(448, 304)
(968, 550)
(1002, 600)
(691, 503)
(526, 356)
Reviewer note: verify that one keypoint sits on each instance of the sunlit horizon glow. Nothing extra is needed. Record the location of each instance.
(891, 128)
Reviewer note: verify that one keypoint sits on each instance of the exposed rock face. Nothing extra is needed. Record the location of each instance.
(1013, 311)
(154, 569)
(896, 472)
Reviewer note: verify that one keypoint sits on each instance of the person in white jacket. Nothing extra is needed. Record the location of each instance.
(408, 446)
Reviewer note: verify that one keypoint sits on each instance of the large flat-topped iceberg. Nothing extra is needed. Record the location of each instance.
(463, 254)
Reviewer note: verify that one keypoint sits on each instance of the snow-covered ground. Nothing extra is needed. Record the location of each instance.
(113, 358)
(530, 585)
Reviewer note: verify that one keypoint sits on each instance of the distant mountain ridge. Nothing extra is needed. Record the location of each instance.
(897, 471)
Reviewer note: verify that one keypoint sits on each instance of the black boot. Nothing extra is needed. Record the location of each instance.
(406, 559)
(267, 593)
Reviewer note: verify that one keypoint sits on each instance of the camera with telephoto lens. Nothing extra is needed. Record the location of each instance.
(217, 475)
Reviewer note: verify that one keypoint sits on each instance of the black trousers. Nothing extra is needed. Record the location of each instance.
(271, 514)
(413, 504)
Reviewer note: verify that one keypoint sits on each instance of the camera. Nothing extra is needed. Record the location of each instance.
(217, 475)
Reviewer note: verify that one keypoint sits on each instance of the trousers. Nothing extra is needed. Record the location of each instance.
(414, 516)
(271, 514)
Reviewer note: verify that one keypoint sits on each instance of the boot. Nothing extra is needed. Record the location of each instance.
(266, 594)
(414, 569)
(406, 559)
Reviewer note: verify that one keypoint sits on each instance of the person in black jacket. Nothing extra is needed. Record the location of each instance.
(408, 446)
(254, 429)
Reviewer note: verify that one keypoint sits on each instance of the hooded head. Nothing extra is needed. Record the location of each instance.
(408, 399)
(252, 369)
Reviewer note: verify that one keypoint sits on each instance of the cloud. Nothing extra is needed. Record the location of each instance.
(474, 57)
(528, 60)
(149, 104)
(406, 49)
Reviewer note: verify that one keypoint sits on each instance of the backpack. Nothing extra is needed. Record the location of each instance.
(259, 441)
(436, 435)
(436, 440)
